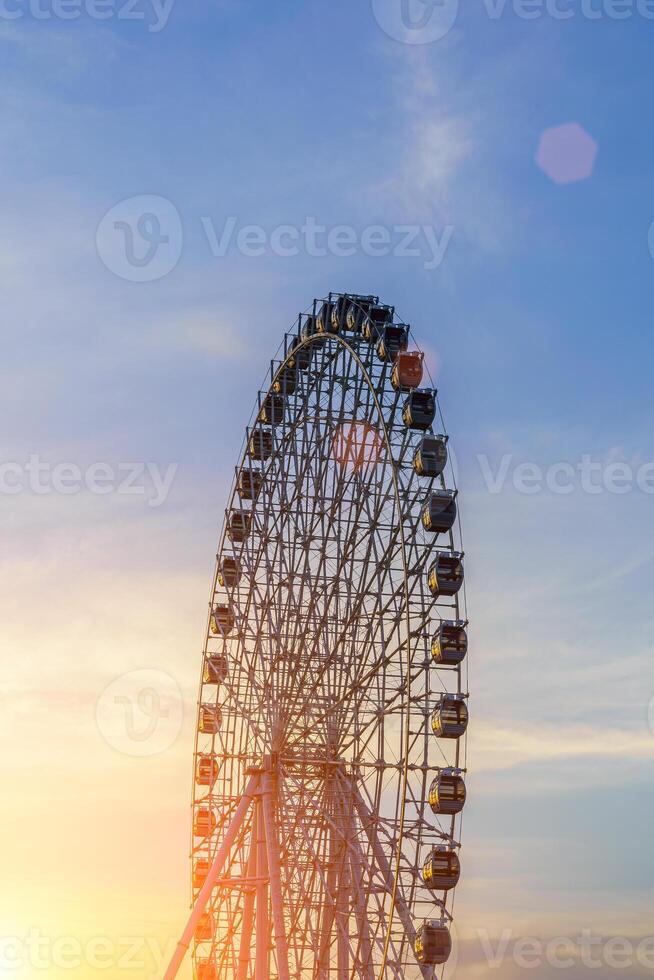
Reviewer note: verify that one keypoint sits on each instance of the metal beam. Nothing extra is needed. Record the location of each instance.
(214, 871)
(272, 851)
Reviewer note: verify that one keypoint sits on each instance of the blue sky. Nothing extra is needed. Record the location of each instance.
(537, 323)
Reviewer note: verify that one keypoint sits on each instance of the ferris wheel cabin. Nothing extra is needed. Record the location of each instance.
(442, 869)
(216, 669)
(433, 943)
(445, 577)
(408, 369)
(249, 483)
(449, 718)
(207, 969)
(449, 644)
(439, 513)
(420, 409)
(211, 718)
(239, 524)
(272, 410)
(375, 320)
(229, 573)
(201, 868)
(222, 620)
(357, 311)
(430, 458)
(205, 821)
(206, 770)
(392, 341)
(285, 381)
(205, 928)
(447, 793)
(300, 360)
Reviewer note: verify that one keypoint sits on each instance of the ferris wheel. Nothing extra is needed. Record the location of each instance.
(329, 768)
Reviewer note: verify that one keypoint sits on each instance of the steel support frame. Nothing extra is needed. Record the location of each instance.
(262, 885)
(263, 876)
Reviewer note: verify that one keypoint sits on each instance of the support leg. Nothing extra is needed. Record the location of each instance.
(262, 966)
(357, 864)
(272, 850)
(207, 888)
(343, 890)
(328, 911)
(248, 905)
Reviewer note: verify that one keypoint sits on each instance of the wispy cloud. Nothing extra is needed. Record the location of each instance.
(497, 747)
(197, 331)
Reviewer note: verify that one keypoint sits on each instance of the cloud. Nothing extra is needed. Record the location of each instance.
(439, 168)
(197, 331)
(495, 747)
